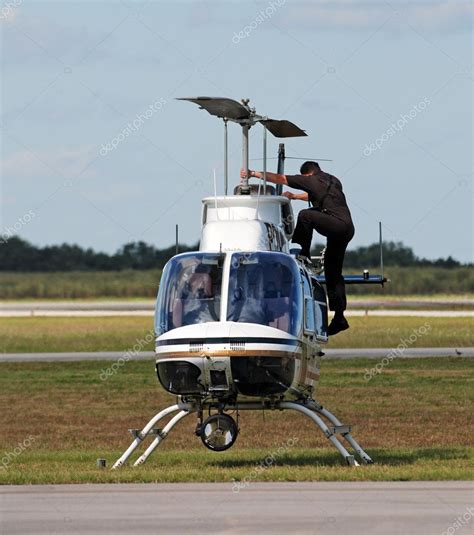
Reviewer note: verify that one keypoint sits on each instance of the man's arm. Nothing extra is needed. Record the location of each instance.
(271, 177)
(296, 196)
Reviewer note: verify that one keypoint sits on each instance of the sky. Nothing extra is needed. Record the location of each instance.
(95, 150)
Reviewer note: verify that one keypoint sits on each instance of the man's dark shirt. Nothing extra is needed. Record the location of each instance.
(316, 186)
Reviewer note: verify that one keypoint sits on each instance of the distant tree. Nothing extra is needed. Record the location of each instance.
(394, 254)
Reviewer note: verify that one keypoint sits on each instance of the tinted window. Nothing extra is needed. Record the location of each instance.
(321, 308)
(264, 288)
(190, 291)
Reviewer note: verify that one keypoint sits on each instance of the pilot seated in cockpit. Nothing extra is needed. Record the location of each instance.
(199, 306)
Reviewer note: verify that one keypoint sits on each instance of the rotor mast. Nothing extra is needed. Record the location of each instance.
(242, 114)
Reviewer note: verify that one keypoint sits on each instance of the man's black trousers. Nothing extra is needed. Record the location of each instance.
(338, 233)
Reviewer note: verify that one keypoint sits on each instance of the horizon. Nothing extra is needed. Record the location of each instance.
(315, 245)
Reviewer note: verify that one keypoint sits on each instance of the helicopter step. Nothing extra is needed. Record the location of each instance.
(341, 429)
(310, 408)
(153, 432)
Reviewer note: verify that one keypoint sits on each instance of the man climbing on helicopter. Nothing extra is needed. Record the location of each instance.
(331, 217)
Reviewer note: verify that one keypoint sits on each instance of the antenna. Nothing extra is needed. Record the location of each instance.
(264, 160)
(246, 124)
(281, 166)
(226, 157)
(381, 251)
(215, 189)
(245, 157)
(177, 239)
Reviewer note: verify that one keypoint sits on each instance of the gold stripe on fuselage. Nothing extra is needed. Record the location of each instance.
(227, 353)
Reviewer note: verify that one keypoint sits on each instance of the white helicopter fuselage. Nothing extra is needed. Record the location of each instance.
(241, 316)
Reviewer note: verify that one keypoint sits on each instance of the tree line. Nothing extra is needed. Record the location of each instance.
(17, 254)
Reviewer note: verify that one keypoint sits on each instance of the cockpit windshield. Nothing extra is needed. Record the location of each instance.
(265, 288)
(190, 291)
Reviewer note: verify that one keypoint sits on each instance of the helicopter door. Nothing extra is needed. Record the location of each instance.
(309, 366)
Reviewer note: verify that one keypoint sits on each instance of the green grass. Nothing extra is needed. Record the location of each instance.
(79, 284)
(144, 283)
(234, 466)
(373, 331)
(31, 335)
(73, 334)
(415, 419)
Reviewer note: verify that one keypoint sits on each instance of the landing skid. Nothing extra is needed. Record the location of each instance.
(310, 408)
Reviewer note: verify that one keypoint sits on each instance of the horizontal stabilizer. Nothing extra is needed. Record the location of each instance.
(358, 279)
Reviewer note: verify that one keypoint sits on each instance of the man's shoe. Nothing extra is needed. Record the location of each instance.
(336, 326)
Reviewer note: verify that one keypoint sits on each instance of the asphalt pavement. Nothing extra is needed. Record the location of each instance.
(355, 508)
(344, 354)
(100, 308)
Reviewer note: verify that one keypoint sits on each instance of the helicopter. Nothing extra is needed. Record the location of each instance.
(241, 323)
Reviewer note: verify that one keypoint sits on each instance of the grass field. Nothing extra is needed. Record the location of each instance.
(30, 335)
(415, 419)
(79, 284)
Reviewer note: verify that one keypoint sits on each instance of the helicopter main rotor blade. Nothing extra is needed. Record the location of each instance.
(292, 158)
(307, 159)
(220, 107)
(283, 128)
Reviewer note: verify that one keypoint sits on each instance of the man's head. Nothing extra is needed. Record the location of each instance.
(309, 168)
(200, 285)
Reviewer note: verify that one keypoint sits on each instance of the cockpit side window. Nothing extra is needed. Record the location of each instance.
(321, 309)
(190, 291)
(309, 319)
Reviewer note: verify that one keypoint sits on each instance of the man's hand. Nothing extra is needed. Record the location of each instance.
(271, 177)
(288, 195)
(244, 174)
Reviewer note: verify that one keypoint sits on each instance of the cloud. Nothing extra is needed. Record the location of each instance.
(352, 15)
(67, 162)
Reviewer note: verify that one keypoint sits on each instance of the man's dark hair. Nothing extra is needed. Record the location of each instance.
(309, 167)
